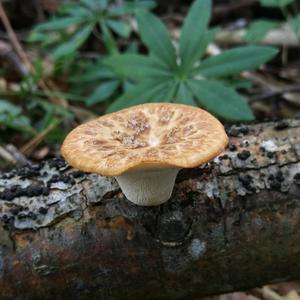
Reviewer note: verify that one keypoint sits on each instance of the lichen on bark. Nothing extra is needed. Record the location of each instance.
(68, 234)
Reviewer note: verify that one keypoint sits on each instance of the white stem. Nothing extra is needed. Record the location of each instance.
(148, 187)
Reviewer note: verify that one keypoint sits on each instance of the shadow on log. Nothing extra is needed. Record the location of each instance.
(231, 225)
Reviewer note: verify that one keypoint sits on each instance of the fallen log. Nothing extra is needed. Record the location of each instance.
(230, 225)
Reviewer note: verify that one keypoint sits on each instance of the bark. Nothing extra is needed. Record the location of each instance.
(230, 225)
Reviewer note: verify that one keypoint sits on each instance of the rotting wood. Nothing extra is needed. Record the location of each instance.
(230, 225)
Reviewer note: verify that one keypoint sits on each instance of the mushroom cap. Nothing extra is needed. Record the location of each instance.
(151, 135)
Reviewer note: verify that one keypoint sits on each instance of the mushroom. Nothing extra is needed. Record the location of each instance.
(145, 146)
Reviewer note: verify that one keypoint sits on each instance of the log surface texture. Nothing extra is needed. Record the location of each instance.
(232, 224)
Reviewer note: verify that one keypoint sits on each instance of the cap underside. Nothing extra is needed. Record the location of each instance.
(158, 134)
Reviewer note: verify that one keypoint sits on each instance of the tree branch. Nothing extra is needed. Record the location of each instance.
(230, 225)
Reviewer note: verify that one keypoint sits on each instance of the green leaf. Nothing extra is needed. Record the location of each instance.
(147, 91)
(119, 27)
(295, 24)
(74, 43)
(95, 5)
(171, 92)
(144, 4)
(36, 36)
(220, 100)
(133, 47)
(244, 84)
(80, 11)
(136, 67)
(128, 8)
(258, 30)
(50, 108)
(7, 107)
(156, 37)
(207, 38)
(59, 23)
(276, 3)
(236, 60)
(20, 123)
(102, 3)
(108, 39)
(193, 32)
(10, 117)
(127, 85)
(184, 95)
(103, 92)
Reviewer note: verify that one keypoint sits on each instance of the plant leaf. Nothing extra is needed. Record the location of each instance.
(147, 91)
(171, 92)
(108, 39)
(95, 4)
(236, 60)
(193, 32)
(295, 24)
(58, 24)
(136, 66)
(103, 92)
(20, 123)
(102, 4)
(83, 13)
(128, 8)
(11, 117)
(222, 101)
(7, 107)
(244, 84)
(276, 3)
(258, 30)
(156, 37)
(74, 43)
(184, 95)
(207, 38)
(119, 27)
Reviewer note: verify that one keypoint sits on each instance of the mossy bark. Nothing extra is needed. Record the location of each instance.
(230, 225)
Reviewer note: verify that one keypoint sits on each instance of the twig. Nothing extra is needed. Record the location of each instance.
(13, 59)
(272, 93)
(13, 37)
(31, 145)
(7, 156)
(17, 155)
(269, 294)
(21, 53)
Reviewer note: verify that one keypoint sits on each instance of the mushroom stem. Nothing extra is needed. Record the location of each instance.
(148, 187)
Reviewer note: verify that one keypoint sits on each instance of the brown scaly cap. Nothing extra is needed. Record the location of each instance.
(148, 135)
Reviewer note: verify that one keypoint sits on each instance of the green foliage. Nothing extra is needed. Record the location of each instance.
(164, 75)
(155, 36)
(295, 24)
(76, 21)
(211, 94)
(38, 112)
(48, 113)
(258, 30)
(236, 60)
(98, 78)
(11, 116)
(193, 32)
